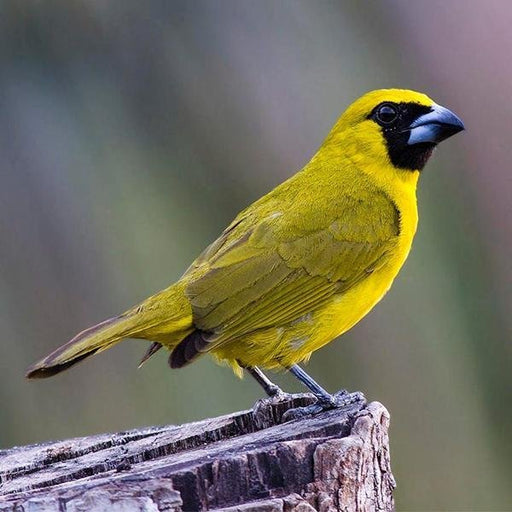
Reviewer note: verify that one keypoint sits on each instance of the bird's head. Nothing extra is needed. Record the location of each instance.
(395, 126)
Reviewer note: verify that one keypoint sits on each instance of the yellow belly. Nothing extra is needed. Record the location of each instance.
(291, 344)
(283, 346)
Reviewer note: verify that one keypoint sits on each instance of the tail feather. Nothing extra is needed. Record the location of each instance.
(91, 341)
(152, 350)
(165, 318)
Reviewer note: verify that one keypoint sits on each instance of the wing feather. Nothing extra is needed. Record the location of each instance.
(269, 271)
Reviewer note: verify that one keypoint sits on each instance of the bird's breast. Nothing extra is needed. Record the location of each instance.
(348, 308)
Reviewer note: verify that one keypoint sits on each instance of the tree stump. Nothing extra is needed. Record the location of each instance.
(247, 461)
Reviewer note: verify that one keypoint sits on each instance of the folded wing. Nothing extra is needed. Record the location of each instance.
(271, 272)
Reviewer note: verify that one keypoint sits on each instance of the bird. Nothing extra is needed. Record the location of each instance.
(303, 264)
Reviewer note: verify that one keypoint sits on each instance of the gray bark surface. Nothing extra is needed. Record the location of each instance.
(247, 461)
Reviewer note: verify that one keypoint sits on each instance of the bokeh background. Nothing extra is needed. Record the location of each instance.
(132, 132)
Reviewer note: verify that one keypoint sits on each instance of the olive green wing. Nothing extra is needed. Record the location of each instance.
(269, 273)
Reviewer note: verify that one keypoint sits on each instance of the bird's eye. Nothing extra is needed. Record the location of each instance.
(386, 114)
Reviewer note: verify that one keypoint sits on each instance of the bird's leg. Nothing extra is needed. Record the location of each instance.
(268, 411)
(324, 399)
(268, 386)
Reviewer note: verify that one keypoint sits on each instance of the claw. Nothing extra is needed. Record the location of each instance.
(266, 410)
(302, 412)
(337, 401)
(344, 398)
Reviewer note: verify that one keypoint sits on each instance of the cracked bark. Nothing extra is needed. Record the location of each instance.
(246, 461)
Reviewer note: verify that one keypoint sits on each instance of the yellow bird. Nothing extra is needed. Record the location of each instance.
(301, 265)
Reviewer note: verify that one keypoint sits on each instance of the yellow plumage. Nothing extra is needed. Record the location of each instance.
(300, 266)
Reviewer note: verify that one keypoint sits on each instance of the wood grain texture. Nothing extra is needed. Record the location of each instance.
(247, 461)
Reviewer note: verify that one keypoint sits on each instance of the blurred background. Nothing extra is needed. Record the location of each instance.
(132, 132)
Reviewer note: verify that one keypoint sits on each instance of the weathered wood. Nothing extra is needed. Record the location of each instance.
(247, 461)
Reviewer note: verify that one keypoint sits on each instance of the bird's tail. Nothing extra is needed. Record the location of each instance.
(91, 341)
(165, 318)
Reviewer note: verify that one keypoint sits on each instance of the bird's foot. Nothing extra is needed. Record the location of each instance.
(275, 393)
(337, 401)
(272, 400)
(269, 411)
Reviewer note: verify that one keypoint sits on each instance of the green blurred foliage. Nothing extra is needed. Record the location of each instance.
(131, 134)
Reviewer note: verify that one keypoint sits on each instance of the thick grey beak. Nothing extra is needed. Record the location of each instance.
(434, 127)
